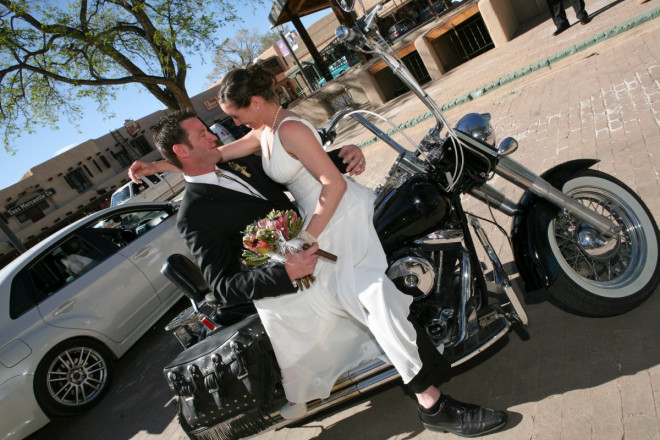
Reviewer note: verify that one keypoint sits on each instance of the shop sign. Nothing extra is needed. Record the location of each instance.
(132, 127)
(212, 103)
(24, 206)
(282, 47)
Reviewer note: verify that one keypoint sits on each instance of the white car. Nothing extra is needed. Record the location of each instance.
(153, 188)
(223, 134)
(75, 302)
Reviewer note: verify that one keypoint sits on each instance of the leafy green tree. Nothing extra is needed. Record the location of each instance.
(56, 53)
(240, 50)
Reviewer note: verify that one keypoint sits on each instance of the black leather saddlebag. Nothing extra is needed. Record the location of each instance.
(226, 382)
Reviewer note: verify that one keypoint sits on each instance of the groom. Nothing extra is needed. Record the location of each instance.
(214, 211)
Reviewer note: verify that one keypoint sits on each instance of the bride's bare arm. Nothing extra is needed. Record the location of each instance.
(299, 141)
(248, 144)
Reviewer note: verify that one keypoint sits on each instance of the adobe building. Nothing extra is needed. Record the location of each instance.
(452, 35)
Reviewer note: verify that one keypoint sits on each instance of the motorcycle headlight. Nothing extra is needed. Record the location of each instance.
(477, 126)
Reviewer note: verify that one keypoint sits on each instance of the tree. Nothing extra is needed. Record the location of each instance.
(55, 53)
(240, 50)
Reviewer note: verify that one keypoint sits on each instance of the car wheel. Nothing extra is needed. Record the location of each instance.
(72, 377)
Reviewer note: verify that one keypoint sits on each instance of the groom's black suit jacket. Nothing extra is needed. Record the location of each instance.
(211, 220)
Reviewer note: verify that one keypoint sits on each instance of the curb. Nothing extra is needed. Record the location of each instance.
(546, 62)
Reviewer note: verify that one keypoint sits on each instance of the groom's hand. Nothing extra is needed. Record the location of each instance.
(301, 264)
(353, 157)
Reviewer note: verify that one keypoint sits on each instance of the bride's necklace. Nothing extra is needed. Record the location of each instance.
(275, 120)
(269, 144)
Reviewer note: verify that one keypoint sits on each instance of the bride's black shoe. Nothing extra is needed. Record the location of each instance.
(462, 419)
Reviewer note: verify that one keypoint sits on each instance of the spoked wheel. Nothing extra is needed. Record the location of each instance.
(72, 377)
(599, 275)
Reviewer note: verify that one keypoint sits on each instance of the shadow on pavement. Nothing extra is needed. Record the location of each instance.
(565, 352)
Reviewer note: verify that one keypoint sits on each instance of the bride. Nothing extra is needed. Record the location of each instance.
(352, 312)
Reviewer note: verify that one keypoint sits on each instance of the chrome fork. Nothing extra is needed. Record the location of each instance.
(501, 276)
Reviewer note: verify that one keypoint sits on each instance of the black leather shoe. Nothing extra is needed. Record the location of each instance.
(463, 419)
(585, 20)
(561, 29)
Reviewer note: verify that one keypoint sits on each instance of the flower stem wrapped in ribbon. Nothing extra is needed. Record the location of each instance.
(272, 237)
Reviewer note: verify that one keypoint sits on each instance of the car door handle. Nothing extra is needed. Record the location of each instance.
(65, 307)
(142, 252)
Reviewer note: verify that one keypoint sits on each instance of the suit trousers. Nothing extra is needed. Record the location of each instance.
(559, 13)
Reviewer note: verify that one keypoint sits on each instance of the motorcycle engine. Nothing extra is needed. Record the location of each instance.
(431, 275)
(414, 275)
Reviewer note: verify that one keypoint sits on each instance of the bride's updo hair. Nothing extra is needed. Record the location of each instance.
(242, 84)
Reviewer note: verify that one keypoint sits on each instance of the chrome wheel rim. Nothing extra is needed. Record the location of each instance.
(608, 263)
(76, 376)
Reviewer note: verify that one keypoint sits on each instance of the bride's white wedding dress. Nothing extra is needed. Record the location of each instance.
(352, 312)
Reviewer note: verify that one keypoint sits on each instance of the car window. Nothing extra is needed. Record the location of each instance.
(139, 187)
(63, 264)
(22, 297)
(123, 228)
(153, 178)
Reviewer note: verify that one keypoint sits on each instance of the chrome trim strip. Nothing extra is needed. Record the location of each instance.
(483, 347)
(442, 237)
(466, 290)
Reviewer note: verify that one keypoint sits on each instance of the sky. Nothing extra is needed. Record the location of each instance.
(133, 102)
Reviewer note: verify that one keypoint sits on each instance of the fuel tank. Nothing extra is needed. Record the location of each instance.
(406, 212)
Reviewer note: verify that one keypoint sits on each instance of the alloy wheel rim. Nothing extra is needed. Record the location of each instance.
(77, 376)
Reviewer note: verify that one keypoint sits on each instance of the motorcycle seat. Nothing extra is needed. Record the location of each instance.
(185, 275)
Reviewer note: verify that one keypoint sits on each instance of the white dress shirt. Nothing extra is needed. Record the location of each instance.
(228, 180)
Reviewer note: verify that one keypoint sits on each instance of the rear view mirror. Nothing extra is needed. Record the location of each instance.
(346, 5)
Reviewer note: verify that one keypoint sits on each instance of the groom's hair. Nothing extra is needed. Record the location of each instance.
(168, 132)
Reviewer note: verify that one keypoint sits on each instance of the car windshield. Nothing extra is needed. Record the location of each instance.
(120, 196)
(134, 223)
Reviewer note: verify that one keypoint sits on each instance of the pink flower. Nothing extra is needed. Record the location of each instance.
(262, 247)
(264, 235)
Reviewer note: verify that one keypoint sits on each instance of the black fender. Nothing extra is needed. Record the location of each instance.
(536, 264)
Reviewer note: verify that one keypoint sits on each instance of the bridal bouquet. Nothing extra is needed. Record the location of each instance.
(270, 239)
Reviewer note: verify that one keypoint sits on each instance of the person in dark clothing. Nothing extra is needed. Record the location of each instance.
(559, 14)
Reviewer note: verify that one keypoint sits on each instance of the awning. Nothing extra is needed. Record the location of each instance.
(283, 11)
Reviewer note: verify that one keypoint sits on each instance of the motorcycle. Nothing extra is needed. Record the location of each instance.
(579, 234)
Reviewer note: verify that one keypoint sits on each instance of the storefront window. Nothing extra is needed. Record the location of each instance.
(122, 158)
(34, 213)
(77, 180)
(105, 161)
